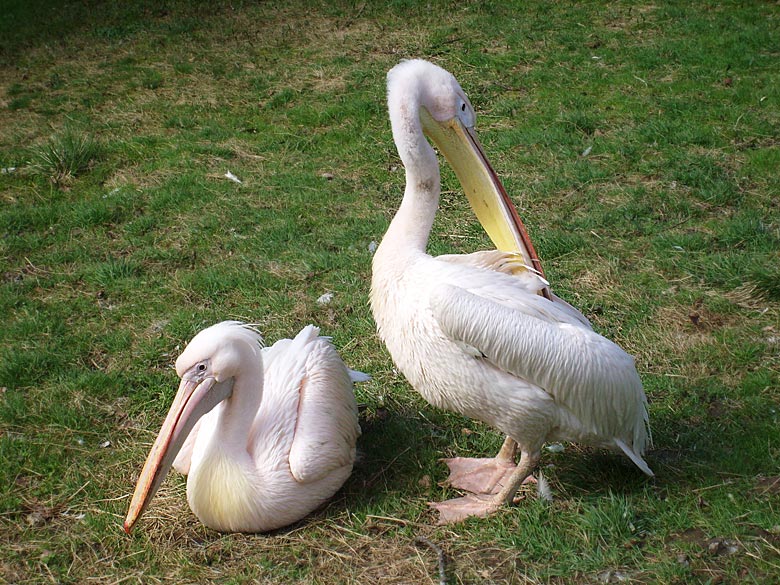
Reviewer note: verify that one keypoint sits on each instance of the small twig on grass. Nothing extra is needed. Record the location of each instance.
(752, 555)
(439, 552)
(712, 487)
(77, 492)
(401, 521)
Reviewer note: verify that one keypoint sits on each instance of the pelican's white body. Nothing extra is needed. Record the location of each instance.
(471, 334)
(296, 404)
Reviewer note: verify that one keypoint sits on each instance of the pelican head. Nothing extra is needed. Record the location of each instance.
(448, 119)
(207, 368)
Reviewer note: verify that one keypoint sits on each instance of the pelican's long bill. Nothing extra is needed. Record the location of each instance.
(487, 196)
(193, 399)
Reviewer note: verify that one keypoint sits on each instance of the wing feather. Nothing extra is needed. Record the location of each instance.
(326, 428)
(584, 372)
(511, 263)
(515, 287)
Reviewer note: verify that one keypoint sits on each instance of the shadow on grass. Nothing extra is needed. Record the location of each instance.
(22, 28)
(401, 459)
(737, 442)
(402, 453)
(687, 454)
(396, 450)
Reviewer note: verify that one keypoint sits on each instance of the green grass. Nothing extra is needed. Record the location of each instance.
(121, 238)
(63, 157)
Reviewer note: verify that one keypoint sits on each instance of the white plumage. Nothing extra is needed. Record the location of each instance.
(265, 436)
(481, 334)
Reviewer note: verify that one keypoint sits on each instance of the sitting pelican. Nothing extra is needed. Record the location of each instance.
(266, 435)
(481, 334)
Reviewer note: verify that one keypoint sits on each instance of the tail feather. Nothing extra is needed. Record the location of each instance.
(635, 457)
(356, 376)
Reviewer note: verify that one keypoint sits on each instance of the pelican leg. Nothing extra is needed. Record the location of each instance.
(481, 505)
(520, 475)
(508, 450)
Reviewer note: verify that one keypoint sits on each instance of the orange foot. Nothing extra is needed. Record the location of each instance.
(480, 476)
(458, 509)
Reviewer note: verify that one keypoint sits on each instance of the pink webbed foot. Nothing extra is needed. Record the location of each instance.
(480, 476)
(498, 478)
(458, 509)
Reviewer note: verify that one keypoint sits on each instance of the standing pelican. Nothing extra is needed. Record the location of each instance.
(481, 334)
(266, 436)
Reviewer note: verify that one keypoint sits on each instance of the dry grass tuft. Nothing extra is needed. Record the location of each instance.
(749, 296)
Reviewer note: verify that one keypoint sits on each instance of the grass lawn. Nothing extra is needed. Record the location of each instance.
(640, 142)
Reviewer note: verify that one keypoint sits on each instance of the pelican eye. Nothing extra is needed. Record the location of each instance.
(463, 107)
(201, 367)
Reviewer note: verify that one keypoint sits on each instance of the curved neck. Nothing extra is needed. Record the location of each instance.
(224, 488)
(414, 219)
(236, 414)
